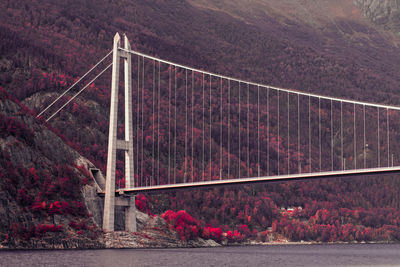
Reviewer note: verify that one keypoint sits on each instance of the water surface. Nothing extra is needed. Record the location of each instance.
(273, 255)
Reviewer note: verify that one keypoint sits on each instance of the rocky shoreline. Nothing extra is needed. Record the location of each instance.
(153, 232)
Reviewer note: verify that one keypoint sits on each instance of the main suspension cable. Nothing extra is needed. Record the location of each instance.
(263, 85)
(80, 91)
(73, 85)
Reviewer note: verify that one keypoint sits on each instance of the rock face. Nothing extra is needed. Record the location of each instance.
(385, 13)
(153, 232)
(41, 184)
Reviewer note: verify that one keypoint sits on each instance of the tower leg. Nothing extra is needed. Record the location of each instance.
(109, 199)
(129, 168)
(130, 212)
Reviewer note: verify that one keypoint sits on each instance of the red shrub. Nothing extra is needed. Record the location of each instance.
(55, 208)
(186, 226)
(212, 233)
(142, 203)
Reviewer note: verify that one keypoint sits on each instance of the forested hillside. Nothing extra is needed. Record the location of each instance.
(325, 47)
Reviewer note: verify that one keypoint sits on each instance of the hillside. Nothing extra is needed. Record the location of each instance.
(328, 47)
(41, 182)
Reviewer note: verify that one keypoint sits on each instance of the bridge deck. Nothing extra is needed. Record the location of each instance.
(264, 179)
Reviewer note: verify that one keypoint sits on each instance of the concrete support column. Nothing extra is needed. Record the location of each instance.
(129, 167)
(130, 215)
(109, 199)
(130, 212)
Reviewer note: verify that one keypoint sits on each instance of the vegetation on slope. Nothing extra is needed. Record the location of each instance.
(47, 45)
(42, 205)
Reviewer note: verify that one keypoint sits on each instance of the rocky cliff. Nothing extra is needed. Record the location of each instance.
(153, 232)
(41, 205)
(385, 13)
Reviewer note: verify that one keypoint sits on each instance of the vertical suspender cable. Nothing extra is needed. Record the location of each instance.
(248, 130)
(278, 130)
(203, 130)
(298, 133)
(169, 123)
(153, 120)
(355, 138)
(175, 130)
(158, 123)
(137, 118)
(258, 130)
(341, 133)
(268, 138)
(387, 129)
(309, 131)
(319, 134)
(220, 144)
(229, 128)
(331, 135)
(192, 161)
(142, 137)
(379, 143)
(210, 140)
(288, 132)
(365, 140)
(186, 124)
(240, 109)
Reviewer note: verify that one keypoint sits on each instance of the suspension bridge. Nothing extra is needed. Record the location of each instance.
(187, 128)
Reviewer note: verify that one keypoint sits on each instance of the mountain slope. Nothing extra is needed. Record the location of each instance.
(41, 201)
(325, 47)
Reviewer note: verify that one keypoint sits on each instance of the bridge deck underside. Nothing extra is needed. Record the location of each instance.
(265, 179)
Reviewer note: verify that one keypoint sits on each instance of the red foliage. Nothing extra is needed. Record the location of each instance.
(11, 126)
(33, 231)
(186, 226)
(78, 225)
(38, 206)
(55, 208)
(142, 203)
(235, 237)
(214, 233)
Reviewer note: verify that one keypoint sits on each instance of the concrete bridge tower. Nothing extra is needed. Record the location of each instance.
(114, 144)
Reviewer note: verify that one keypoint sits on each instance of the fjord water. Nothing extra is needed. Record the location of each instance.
(272, 255)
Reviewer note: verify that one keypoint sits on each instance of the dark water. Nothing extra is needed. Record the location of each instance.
(274, 255)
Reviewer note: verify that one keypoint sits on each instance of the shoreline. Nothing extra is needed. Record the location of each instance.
(188, 245)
